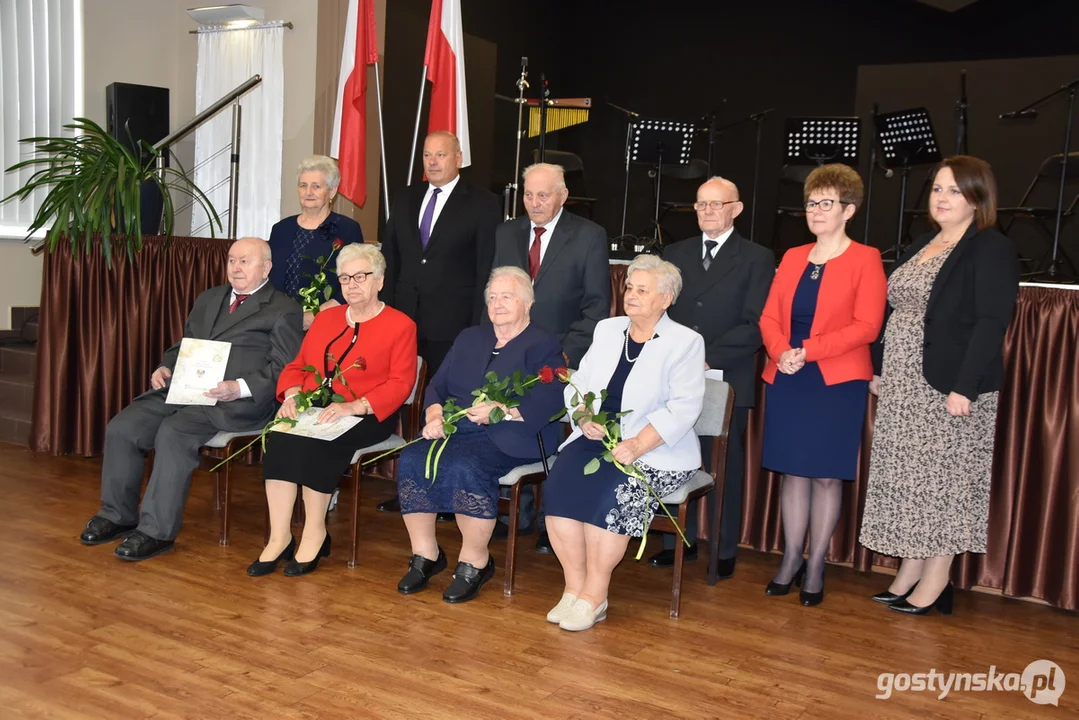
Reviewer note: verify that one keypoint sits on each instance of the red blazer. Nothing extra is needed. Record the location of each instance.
(850, 312)
(385, 350)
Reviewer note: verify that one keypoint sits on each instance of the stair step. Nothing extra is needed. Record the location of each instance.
(18, 359)
(16, 393)
(30, 331)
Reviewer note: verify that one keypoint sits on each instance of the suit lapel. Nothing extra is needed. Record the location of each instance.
(453, 208)
(247, 308)
(559, 240)
(412, 219)
(521, 242)
(726, 260)
(950, 264)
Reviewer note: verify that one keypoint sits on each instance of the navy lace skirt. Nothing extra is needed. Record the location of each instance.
(467, 480)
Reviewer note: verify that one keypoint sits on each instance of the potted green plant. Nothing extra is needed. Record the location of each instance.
(95, 186)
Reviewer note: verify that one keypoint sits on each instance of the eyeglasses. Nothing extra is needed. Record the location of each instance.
(360, 277)
(824, 205)
(716, 205)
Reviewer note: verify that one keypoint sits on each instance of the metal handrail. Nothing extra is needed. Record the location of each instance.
(208, 113)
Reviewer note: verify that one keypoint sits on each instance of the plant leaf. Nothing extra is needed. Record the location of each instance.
(592, 466)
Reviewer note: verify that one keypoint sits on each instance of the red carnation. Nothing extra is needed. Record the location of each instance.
(338, 244)
(563, 374)
(546, 375)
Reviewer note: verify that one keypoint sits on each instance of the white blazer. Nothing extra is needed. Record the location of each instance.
(665, 387)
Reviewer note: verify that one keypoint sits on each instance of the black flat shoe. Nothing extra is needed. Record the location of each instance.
(943, 604)
(445, 517)
(665, 558)
(543, 544)
(100, 531)
(420, 572)
(890, 598)
(295, 569)
(467, 581)
(775, 588)
(260, 568)
(502, 530)
(725, 568)
(140, 546)
(391, 505)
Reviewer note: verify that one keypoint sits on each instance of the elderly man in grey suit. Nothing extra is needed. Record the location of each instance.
(265, 328)
(567, 258)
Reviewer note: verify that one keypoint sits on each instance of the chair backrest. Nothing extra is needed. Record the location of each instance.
(696, 169)
(570, 162)
(715, 419)
(1050, 168)
(415, 400)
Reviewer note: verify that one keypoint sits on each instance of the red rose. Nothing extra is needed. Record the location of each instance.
(361, 363)
(338, 244)
(563, 374)
(546, 374)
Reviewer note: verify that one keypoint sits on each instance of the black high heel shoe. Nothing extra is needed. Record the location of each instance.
(809, 599)
(943, 604)
(260, 568)
(294, 569)
(775, 588)
(890, 598)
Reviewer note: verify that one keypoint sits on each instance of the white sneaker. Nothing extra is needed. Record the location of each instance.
(559, 611)
(581, 616)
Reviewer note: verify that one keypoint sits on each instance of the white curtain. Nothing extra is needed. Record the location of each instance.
(41, 87)
(226, 59)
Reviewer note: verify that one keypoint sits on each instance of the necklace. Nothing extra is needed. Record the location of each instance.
(348, 314)
(817, 267)
(625, 347)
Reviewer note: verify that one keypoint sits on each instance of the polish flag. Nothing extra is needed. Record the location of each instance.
(349, 141)
(445, 61)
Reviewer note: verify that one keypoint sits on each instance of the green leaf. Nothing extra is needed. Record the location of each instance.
(608, 456)
(337, 398)
(309, 368)
(559, 415)
(600, 418)
(496, 415)
(327, 293)
(603, 395)
(491, 377)
(592, 466)
(449, 428)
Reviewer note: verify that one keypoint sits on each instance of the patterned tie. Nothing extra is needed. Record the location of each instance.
(534, 253)
(709, 246)
(428, 218)
(236, 302)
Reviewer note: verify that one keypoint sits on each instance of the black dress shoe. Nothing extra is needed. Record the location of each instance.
(140, 546)
(420, 572)
(943, 604)
(391, 505)
(100, 531)
(890, 598)
(295, 569)
(445, 517)
(467, 581)
(775, 588)
(260, 567)
(809, 599)
(665, 558)
(502, 531)
(725, 568)
(543, 543)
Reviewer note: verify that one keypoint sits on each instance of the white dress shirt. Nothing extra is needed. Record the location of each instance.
(545, 238)
(719, 240)
(439, 203)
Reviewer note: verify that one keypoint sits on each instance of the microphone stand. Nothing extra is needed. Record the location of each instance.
(522, 83)
(872, 170)
(629, 139)
(1054, 272)
(757, 117)
(961, 116)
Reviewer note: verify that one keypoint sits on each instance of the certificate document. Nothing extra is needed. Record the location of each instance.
(305, 425)
(713, 375)
(200, 366)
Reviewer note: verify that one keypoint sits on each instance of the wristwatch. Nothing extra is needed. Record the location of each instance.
(367, 405)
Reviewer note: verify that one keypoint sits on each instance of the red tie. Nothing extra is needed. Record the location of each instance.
(534, 253)
(236, 302)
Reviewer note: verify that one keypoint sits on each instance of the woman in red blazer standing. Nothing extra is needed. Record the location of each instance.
(825, 308)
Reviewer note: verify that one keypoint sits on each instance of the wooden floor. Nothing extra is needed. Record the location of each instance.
(188, 634)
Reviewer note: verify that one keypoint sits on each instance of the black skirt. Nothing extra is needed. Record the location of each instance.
(319, 464)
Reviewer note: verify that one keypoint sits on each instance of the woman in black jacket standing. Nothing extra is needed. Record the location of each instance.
(950, 300)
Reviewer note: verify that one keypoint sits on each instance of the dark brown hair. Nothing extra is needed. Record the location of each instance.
(844, 179)
(976, 181)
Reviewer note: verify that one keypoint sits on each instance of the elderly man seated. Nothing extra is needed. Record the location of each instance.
(265, 328)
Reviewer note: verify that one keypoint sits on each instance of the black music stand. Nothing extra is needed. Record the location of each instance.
(906, 139)
(659, 142)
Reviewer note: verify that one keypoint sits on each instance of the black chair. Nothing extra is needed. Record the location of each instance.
(694, 173)
(1039, 202)
(573, 168)
(791, 180)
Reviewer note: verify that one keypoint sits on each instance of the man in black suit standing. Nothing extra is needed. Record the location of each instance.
(439, 243)
(265, 328)
(568, 259)
(725, 282)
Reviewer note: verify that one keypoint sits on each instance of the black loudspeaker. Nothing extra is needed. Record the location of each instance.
(134, 113)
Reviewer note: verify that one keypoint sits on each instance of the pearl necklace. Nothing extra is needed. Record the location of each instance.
(348, 314)
(625, 347)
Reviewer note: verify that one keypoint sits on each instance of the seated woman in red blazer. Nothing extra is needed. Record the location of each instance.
(825, 308)
(377, 347)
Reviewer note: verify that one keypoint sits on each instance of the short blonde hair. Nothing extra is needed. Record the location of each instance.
(668, 277)
(524, 281)
(361, 251)
(325, 165)
(559, 173)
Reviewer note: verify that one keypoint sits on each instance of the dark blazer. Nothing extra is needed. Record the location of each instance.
(969, 309)
(441, 288)
(573, 285)
(724, 305)
(470, 359)
(282, 244)
(265, 332)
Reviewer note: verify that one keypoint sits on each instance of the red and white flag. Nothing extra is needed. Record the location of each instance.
(445, 61)
(349, 142)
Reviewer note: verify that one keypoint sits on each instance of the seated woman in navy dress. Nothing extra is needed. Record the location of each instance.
(825, 307)
(311, 233)
(478, 453)
(653, 369)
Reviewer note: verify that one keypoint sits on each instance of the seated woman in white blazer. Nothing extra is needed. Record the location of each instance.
(654, 368)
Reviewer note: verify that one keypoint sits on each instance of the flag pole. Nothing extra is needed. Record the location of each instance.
(416, 132)
(382, 145)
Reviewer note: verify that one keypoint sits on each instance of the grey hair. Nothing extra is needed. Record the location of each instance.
(668, 277)
(325, 165)
(362, 251)
(559, 173)
(717, 178)
(523, 280)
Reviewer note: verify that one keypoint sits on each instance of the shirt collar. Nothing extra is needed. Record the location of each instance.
(262, 285)
(719, 240)
(446, 189)
(549, 227)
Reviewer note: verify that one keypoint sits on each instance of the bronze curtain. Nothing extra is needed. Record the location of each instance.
(1034, 504)
(103, 332)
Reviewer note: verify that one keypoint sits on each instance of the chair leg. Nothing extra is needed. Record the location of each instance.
(354, 516)
(224, 477)
(679, 563)
(511, 538)
(714, 529)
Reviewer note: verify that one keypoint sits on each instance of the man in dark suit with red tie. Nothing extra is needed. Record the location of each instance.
(725, 282)
(438, 244)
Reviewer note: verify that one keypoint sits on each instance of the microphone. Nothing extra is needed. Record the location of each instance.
(1020, 115)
